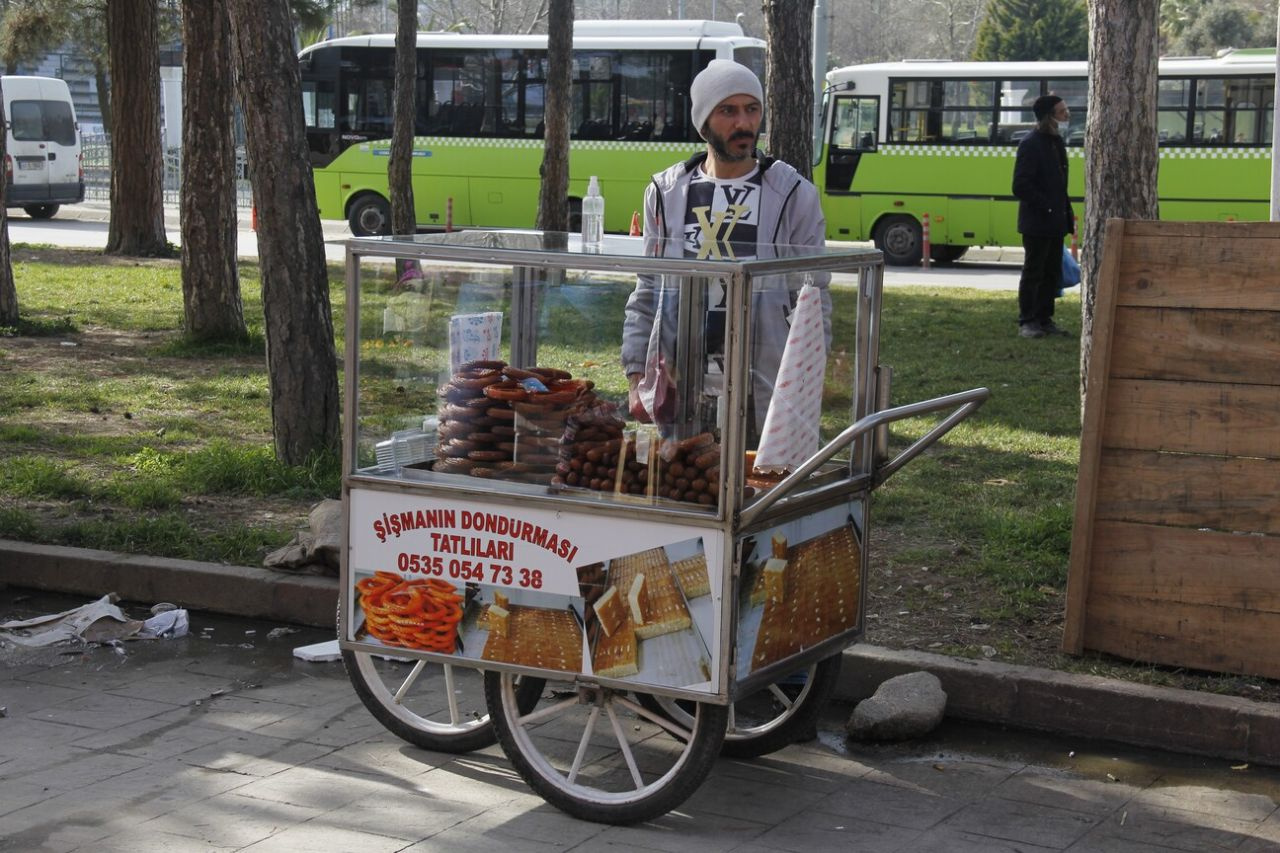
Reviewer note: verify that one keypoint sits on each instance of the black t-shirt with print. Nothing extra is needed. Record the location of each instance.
(720, 221)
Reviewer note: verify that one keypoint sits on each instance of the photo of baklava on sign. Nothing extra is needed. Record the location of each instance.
(640, 625)
(531, 636)
(801, 594)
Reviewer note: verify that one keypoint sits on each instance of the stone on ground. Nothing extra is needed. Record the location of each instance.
(904, 707)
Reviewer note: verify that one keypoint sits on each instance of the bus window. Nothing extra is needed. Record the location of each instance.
(1232, 110)
(1076, 94)
(1173, 108)
(1210, 111)
(909, 102)
(457, 93)
(592, 102)
(967, 107)
(854, 123)
(365, 99)
(1015, 118)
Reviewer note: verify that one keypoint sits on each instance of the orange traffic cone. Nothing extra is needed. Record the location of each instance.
(253, 218)
(635, 223)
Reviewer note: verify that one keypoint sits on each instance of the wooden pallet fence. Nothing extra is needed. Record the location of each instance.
(1175, 552)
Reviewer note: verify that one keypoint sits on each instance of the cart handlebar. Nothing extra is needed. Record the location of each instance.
(964, 403)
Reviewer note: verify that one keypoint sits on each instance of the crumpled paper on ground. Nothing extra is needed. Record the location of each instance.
(96, 622)
(790, 433)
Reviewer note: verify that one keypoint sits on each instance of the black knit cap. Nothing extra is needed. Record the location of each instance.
(1044, 105)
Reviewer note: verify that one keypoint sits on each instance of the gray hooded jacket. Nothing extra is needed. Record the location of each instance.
(789, 214)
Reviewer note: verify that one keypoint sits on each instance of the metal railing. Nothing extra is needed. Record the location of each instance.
(96, 150)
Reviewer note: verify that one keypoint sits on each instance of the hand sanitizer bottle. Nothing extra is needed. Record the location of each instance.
(593, 215)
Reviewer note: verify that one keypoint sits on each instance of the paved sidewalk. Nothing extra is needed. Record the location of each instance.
(222, 741)
(1077, 705)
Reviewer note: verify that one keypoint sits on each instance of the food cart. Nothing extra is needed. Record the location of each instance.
(618, 585)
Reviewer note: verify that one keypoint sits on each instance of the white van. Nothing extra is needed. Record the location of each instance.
(42, 164)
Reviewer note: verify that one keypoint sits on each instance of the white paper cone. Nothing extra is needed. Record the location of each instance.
(790, 434)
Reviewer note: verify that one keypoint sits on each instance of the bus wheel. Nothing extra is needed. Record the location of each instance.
(41, 211)
(369, 216)
(899, 238)
(946, 253)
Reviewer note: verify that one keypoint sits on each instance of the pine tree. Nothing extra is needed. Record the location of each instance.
(1033, 30)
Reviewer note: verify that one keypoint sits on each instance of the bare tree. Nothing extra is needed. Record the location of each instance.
(789, 81)
(486, 16)
(8, 289)
(137, 155)
(302, 365)
(953, 26)
(212, 309)
(404, 219)
(553, 211)
(1121, 178)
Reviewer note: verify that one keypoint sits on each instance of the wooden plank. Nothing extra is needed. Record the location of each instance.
(1216, 230)
(1221, 639)
(1185, 566)
(1241, 347)
(1193, 417)
(1180, 490)
(1091, 437)
(1200, 271)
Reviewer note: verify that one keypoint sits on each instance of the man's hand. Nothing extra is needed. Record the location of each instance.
(634, 406)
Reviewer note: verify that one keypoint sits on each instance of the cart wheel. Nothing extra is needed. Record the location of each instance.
(773, 717)
(597, 755)
(430, 705)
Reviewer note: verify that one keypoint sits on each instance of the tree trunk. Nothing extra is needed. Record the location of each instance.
(8, 290)
(137, 155)
(404, 220)
(789, 82)
(302, 365)
(211, 304)
(1120, 180)
(553, 195)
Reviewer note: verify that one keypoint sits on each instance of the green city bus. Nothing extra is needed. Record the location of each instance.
(904, 139)
(479, 126)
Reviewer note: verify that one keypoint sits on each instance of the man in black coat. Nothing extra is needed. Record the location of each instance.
(1044, 217)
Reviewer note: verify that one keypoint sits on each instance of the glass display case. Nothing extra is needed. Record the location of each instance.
(642, 479)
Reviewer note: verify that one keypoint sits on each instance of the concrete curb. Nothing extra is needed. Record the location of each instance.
(236, 590)
(1082, 706)
(1079, 705)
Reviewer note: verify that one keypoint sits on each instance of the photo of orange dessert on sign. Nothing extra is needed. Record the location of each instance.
(810, 592)
(646, 598)
(415, 614)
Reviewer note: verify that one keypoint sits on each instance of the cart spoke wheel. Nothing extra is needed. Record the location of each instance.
(430, 705)
(771, 718)
(598, 755)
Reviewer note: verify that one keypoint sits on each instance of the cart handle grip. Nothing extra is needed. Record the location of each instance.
(964, 402)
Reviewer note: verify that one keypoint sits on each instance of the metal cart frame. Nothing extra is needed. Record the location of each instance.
(821, 483)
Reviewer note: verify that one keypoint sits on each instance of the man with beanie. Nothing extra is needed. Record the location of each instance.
(728, 202)
(1044, 217)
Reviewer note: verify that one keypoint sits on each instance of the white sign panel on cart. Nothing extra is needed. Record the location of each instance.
(543, 588)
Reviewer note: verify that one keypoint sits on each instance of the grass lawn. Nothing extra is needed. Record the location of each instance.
(116, 434)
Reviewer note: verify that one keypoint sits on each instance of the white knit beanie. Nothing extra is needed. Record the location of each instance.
(722, 78)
